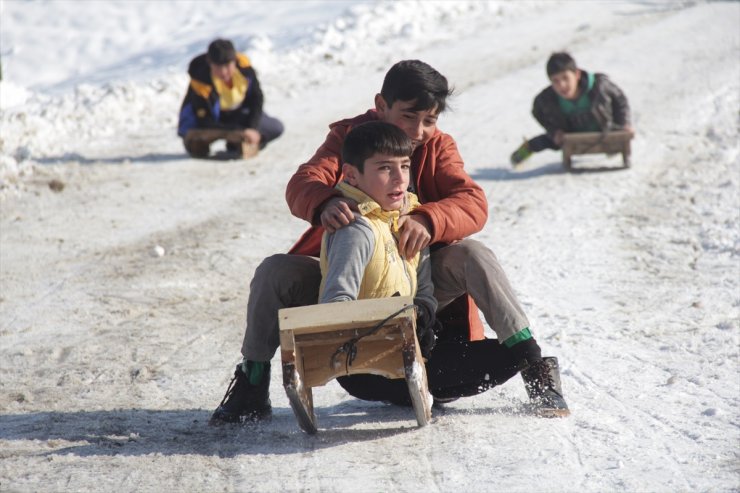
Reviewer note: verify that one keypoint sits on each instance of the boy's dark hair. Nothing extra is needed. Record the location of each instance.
(560, 62)
(414, 80)
(368, 139)
(221, 52)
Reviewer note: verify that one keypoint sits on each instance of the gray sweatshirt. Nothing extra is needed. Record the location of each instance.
(348, 251)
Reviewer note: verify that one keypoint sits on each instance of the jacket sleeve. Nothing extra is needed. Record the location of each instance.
(196, 111)
(424, 298)
(348, 251)
(546, 114)
(620, 105)
(254, 100)
(457, 206)
(313, 182)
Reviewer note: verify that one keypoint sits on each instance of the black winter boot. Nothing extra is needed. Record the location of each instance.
(244, 401)
(542, 381)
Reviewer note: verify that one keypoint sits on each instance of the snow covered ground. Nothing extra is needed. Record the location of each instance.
(113, 352)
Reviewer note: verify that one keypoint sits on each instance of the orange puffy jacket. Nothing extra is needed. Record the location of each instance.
(454, 204)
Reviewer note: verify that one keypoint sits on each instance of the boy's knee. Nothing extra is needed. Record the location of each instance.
(197, 148)
(282, 266)
(270, 131)
(271, 266)
(476, 250)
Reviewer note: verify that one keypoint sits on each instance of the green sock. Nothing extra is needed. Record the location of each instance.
(254, 370)
(520, 336)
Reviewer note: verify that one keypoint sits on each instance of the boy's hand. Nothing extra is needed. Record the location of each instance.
(251, 136)
(337, 213)
(415, 235)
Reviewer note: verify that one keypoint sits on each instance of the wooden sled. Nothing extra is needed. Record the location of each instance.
(596, 143)
(317, 346)
(198, 141)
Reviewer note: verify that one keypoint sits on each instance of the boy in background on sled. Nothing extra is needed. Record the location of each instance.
(362, 259)
(575, 101)
(224, 101)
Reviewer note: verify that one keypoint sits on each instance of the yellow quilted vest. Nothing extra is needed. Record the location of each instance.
(387, 273)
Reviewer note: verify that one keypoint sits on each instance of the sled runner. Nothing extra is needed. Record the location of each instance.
(321, 342)
(596, 143)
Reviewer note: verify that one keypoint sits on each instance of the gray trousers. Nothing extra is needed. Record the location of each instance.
(283, 281)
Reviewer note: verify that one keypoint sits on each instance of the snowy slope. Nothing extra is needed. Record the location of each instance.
(112, 358)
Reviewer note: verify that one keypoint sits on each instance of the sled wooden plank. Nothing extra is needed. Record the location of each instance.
(348, 314)
(377, 357)
(597, 143)
(311, 336)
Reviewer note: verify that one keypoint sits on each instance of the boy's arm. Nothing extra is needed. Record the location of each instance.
(312, 185)
(196, 110)
(426, 319)
(254, 99)
(348, 252)
(453, 203)
(546, 112)
(620, 105)
(425, 289)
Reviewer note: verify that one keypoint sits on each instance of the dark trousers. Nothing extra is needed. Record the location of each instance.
(542, 142)
(455, 369)
(270, 128)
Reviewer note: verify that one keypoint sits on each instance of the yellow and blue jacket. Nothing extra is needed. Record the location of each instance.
(209, 103)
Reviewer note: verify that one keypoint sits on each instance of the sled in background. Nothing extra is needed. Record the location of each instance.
(321, 342)
(198, 142)
(596, 143)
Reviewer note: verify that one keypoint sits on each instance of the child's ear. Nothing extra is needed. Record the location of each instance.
(380, 105)
(350, 173)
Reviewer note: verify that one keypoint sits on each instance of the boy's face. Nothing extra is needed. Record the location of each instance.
(566, 83)
(224, 72)
(385, 179)
(419, 126)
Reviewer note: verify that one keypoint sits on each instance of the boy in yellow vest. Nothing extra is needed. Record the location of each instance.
(362, 260)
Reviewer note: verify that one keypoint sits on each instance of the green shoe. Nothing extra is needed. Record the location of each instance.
(521, 154)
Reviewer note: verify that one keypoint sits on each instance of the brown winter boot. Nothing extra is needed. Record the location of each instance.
(542, 381)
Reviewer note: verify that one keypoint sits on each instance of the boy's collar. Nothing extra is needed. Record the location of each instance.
(367, 206)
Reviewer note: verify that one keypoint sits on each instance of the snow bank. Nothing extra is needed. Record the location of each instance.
(127, 77)
(123, 296)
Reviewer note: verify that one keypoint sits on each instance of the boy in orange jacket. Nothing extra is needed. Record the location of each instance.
(465, 273)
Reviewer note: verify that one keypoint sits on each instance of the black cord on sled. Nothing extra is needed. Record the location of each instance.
(350, 347)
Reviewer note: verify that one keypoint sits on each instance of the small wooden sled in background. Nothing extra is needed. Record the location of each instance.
(597, 143)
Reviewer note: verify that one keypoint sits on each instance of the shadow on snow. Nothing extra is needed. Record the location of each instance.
(556, 168)
(136, 432)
